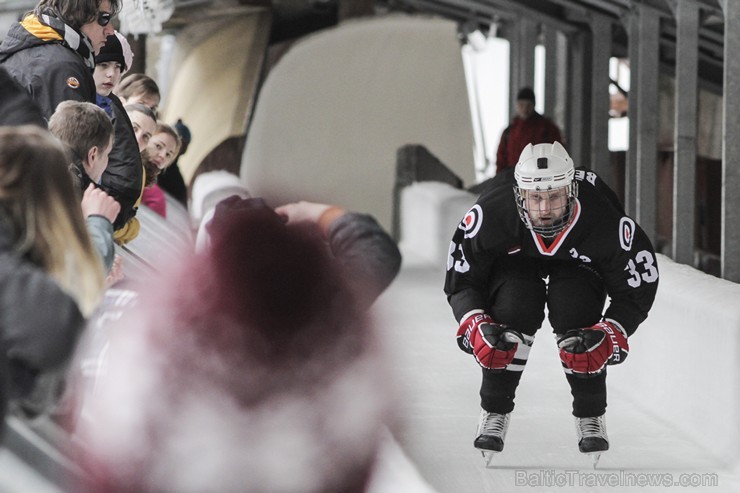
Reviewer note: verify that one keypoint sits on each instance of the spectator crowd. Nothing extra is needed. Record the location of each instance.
(267, 310)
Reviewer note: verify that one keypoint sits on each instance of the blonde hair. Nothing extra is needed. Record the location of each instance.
(137, 84)
(39, 203)
(164, 128)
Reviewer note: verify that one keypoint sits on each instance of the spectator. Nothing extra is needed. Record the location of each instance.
(123, 179)
(159, 154)
(144, 122)
(87, 133)
(139, 88)
(527, 127)
(292, 368)
(113, 60)
(50, 276)
(50, 51)
(171, 180)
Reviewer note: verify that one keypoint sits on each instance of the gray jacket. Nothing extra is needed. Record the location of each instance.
(367, 253)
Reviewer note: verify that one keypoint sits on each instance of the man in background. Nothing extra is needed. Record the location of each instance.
(527, 127)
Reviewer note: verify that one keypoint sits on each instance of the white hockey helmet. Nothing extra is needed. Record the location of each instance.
(545, 167)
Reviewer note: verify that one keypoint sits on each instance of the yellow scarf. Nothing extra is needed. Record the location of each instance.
(33, 25)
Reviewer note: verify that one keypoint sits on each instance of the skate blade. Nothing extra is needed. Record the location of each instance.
(488, 456)
(595, 456)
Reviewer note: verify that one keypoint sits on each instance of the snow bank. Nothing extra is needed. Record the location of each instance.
(430, 212)
(684, 363)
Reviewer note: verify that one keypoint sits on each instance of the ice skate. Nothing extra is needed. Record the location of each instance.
(592, 438)
(491, 434)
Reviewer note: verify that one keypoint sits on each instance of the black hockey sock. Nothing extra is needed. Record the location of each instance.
(498, 390)
(589, 395)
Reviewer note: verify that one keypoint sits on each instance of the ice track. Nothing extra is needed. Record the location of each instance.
(441, 407)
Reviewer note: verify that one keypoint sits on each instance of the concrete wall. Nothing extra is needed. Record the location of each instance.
(215, 75)
(336, 108)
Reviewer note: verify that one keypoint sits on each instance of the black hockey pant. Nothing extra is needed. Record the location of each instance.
(574, 295)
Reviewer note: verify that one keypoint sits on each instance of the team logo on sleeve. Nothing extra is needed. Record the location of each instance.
(472, 221)
(626, 233)
(73, 82)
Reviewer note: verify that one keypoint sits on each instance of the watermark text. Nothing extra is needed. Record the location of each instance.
(555, 478)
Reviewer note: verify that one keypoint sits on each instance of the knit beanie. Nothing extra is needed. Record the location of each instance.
(116, 49)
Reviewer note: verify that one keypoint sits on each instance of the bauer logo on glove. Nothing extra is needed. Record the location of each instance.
(493, 345)
(587, 351)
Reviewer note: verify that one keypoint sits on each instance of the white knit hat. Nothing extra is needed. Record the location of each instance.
(210, 188)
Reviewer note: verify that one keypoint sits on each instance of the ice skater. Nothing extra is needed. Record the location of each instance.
(561, 240)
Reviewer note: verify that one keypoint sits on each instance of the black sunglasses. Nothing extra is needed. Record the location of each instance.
(104, 18)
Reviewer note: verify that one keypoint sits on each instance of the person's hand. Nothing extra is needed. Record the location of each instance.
(116, 272)
(321, 214)
(96, 202)
(587, 351)
(302, 211)
(493, 345)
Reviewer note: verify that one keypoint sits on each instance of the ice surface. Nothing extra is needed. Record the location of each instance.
(441, 409)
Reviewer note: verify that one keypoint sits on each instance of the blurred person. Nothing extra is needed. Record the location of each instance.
(292, 371)
(159, 154)
(526, 127)
(139, 88)
(361, 246)
(87, 133)
(171, 180)
(363, 249)
(50, 276)
(50, 52)
(124, 177)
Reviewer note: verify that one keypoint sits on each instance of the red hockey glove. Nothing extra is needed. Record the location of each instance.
(587, 351)
(493, 345)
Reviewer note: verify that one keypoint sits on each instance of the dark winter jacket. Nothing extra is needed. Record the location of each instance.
(16, 107)
(368, 254)
(123, 178)
(172, 182)
(39, 322)
(48, 67)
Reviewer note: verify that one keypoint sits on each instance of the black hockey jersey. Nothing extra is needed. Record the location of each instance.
(599, 234)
